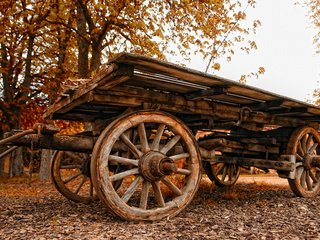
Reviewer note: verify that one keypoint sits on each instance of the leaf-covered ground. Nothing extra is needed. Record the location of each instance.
(256, 208)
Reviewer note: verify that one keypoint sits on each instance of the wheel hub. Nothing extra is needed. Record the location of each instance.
(307, 161)
(154, 165)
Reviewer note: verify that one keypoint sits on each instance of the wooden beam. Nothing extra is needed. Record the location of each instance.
(264, 106)
(289, 111)
(206, 93)
(259, 163)
(311, 118)
(66, 143)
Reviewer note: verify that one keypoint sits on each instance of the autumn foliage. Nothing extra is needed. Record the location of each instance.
(43, 43)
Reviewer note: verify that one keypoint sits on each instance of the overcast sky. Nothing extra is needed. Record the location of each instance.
(285, 50)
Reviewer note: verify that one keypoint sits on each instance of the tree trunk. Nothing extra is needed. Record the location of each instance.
(27, 77)
(16, 163)
(46, 156)
(96, 56)
(2, 149)
(83, 45)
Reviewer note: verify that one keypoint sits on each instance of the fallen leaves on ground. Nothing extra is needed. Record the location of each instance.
(250, 210)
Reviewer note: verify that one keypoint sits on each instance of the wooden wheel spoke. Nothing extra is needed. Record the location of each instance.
(299, 172)
(183, 171)
(313, 148)
(158, 194)
(170, 144)
(303, 179)
(122, 160)
(180, 156)
(172, 186)
(299, 157)
(157, 138)
(310, 142)
(235, 170)
(124, 174)
(300, 149)
(131, 189)
(220, 169)
(143, 138)
(72, 178)
(308, 181)
(144, 195)
(84, 178)
(313, 177)
(214, 163)
(304, 143)
(230, 172)
(71, 167)
(135, 151)
(233, 167)
(224, 174)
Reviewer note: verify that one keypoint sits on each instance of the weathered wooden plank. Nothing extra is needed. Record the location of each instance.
(232, 99)
(266, 141)
(252, 93)
(259, 163)
(289, 111)
(264, 106)
(153, 84)
(221, 144)
(212, 143)
(206, 93)
(236, 151)
(262, 148)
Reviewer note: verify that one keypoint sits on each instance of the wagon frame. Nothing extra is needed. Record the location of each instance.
(154, 122)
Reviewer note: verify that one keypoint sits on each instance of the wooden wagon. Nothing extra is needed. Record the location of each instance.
(154, 124)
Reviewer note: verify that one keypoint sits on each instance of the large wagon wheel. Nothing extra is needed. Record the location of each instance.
(163, 173)
(70, 172)
(304, 143)
(222, 174)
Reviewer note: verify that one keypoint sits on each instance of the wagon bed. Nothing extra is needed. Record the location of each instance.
(137, 81)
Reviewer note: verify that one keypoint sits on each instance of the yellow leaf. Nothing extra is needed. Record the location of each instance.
(217, 66)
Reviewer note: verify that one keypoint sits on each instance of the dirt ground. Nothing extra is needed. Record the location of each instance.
(260, 207)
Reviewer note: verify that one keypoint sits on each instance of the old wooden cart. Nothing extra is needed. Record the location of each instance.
(155, 123)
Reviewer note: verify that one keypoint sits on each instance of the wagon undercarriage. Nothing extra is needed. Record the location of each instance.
(154, 123)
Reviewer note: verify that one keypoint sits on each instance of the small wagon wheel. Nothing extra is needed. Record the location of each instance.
(304, 143)
(222, 174)
(70, 172)
(161, 176)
